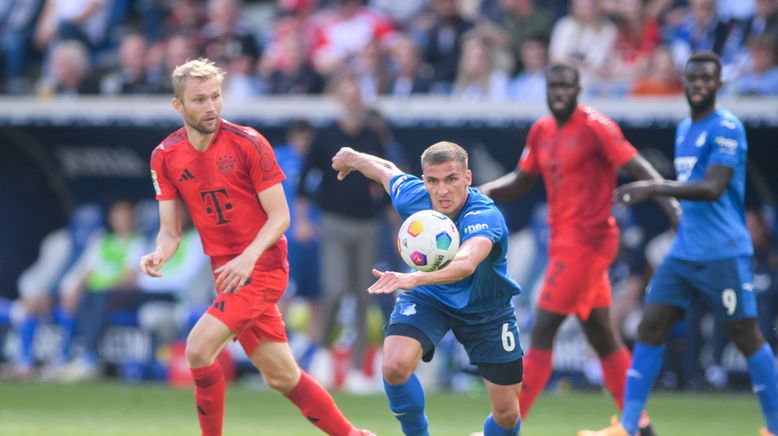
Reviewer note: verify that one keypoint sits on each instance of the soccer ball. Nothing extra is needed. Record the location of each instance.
(428, 240)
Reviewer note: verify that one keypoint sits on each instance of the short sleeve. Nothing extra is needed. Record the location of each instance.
(486, 222)
(164, 189)
(528, 162)
(408, 195)
(727, 140)
(616, 149)
(263, 167)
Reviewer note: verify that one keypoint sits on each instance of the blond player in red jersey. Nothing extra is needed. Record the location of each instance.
(228, 178)
(577, 151)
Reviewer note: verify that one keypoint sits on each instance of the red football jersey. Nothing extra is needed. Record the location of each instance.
(220, 186)
(578, 163)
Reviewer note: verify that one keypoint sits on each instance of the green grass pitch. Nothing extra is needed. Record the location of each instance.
(113, 409)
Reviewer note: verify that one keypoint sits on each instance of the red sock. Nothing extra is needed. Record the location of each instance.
(209, 398)
(537, 371)
(316, 404)
(614, 372)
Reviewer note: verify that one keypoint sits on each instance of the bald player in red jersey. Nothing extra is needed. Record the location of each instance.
(228, 178)
(577, 151)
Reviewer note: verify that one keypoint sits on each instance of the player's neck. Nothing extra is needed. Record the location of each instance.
(200, 141)
(698, 114)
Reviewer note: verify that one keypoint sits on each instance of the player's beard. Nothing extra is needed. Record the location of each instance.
(200, 127)
(707, 102)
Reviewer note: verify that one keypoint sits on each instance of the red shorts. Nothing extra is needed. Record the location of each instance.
(251, 312)
(577, 279)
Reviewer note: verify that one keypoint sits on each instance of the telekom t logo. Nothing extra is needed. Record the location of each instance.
(213, 204)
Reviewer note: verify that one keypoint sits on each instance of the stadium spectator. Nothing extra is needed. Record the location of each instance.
(16, 31)
(581, 249)
(349, 235)
(130, 78)
(83, 20)
(523, 20)
(293, 73)
(411, 76)
(478, 77)
(187, 18)
(39, 288)
(761, 78)
(304, 243)
(238, 207)
(372, 72)
(700, 29)
(164, 57)
(342, 32)
(585, 37)
(637, 38)
(69, 74)
(230, 41)
(711, 255)
(471, 296)
(661, 77)
(530, 83)
(106, 265)
(442, 43)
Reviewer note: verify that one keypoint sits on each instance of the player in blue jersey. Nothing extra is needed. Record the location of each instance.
(711, 255)
(471, 296)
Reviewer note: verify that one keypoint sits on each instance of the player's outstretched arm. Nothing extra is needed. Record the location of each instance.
(708, 189)
(640, 169)
(464, 264)
(373, 167)
(168, 239)
(510, 186)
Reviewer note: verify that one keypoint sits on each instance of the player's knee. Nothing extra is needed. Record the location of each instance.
(197, 353)
(281, 382)
(651, 331)
(506, 417)
(395, 371)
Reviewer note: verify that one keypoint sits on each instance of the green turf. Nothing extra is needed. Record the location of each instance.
(112, 409)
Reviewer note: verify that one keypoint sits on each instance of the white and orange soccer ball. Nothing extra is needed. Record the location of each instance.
(428, 240)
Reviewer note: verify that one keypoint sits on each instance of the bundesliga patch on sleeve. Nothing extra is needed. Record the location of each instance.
(155, 182)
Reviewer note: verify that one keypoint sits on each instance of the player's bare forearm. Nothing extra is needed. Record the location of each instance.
(167, 244)
(510, 186)
(464, 264)
(708, 189)
(275, 226)
(640, 169)
(373, 167)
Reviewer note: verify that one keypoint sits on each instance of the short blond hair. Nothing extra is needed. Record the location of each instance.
(201, 69)
(442, 152)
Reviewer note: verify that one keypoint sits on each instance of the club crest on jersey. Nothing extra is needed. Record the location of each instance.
(701, 139)
(226, 164)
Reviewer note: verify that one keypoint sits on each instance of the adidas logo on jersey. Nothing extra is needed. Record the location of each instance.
(186, 175)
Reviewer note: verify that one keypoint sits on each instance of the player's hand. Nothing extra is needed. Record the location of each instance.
(634, 193)
(390, 281)
(342, 161)
(151, 264)
(234, 274)
(304, 230)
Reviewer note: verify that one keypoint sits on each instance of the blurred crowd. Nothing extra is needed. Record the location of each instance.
(477, 50)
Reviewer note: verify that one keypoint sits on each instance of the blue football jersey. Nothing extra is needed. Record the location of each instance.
(711, 230)
(490, 285)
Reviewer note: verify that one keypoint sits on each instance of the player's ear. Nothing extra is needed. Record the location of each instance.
(177, 105)
(469, 177)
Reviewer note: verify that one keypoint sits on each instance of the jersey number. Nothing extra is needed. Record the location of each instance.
(729, 300)
(508, 340)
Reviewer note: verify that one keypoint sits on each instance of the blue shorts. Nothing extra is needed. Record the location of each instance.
(726, 285)
(490, 337)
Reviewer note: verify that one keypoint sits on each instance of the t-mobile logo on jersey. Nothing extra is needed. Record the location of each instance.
(214, 205)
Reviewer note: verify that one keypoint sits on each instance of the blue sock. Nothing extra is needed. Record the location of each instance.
(491, 428)
(646, 363)
(27, 338)
(761, 366)
(67, 324)
(407, 403)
